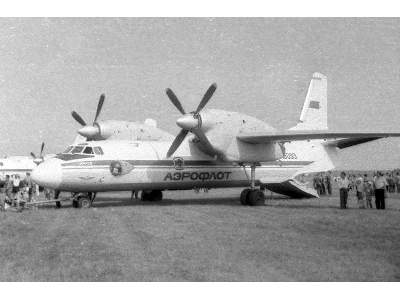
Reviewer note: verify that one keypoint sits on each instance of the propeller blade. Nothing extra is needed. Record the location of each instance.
(175, 101)
(177, 142)
(99, 107)
(209, 149)
(33, 155)
(41, 149)
(207, 96)
(78, 118)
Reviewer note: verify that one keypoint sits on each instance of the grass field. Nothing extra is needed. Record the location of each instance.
(202, 237)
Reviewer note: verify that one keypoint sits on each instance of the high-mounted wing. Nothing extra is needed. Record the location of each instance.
(341, 139)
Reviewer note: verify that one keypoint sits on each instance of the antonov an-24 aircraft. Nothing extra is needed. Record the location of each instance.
(214, 149)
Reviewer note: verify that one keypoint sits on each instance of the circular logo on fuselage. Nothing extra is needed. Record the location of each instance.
(116, 168)
(179, 163)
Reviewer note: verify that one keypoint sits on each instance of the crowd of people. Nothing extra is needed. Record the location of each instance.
(17, 192)
(365, 187)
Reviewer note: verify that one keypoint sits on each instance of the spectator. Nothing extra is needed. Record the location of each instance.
(343, 184)
(369, 192)
(328, 182)
(397, 182)
(380, 185)
(391, 183)
(316, 184)
(360, 192)
(322, 183)
(9, 190)
(16, 189)
(29, 186)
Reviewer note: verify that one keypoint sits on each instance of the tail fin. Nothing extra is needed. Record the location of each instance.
(314, 115)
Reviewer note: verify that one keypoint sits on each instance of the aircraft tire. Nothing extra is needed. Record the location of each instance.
(145, 196)
(244, 195)
(58, 204)
(156, 195)
(84, 202)
(75, 203)
(256, 198)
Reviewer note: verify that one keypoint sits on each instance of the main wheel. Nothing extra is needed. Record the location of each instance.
(146, 196)
(84, 202)
(244, 195)
(58, 204)
(156, 195)
(256, 198)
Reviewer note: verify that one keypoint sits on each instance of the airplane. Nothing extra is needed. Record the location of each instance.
(214, 149)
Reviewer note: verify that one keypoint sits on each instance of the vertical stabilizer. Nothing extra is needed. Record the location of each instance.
(314, 115)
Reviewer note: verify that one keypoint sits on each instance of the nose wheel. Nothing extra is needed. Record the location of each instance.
(82, 201)
(252, 196)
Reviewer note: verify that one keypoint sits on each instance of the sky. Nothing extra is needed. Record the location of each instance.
(262, 66)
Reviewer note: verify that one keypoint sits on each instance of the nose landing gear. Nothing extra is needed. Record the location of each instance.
(252, 196)
(83, 200)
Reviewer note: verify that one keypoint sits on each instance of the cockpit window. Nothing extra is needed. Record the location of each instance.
(98, 151)
(77, 150)
(68, 149)
(88, 150)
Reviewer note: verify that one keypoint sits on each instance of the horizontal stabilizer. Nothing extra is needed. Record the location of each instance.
(347, 139)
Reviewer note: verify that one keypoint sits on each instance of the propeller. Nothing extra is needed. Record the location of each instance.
(38, 159)
(190, 122)
(90, 131)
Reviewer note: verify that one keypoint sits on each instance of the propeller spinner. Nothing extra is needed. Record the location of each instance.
(189, 122)
(90, 131)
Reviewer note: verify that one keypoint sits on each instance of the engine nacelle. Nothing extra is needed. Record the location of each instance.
(124, 130)
(245, 152)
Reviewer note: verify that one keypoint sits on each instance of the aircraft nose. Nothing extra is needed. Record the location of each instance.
(48, 174)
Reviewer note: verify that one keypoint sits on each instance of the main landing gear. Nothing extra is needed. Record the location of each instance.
(153, 195)
(252, 196)
(83, 200)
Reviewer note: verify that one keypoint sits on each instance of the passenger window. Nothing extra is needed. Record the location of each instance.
(98, 151)
(88, 150)
(77, 150)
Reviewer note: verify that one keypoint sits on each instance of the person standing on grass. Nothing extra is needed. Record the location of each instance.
(9, 190)
(343, 183)
(369, 192)
(360, 192)
(380, 185)
(328, 182)
(397, 182)
(29, 186)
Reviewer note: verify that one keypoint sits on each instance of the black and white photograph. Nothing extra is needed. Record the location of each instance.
(199, 149)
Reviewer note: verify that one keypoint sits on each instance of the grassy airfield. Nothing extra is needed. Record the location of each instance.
(202, 237)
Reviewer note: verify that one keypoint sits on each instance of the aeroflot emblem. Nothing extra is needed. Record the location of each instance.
(179, 163)
(116, 168)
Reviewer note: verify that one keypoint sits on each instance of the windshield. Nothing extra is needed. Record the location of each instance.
(68, 149)
(77, 150)
(88, 150)
(98, 151)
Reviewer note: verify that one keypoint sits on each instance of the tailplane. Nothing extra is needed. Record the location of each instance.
(314, 115)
